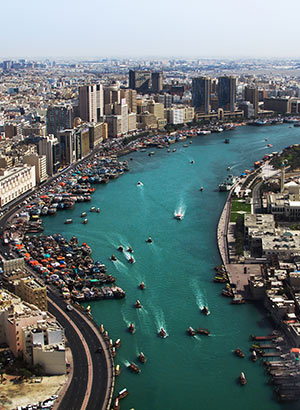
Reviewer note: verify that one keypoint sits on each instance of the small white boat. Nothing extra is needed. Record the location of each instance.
(139, 183)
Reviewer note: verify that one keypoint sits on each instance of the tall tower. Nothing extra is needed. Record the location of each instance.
(227, 92)
(282, 175)
(201, 93)
(251, 94)
(140, 80)
(91, 102)
(157, 82)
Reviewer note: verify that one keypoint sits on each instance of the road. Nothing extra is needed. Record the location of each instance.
(101, 374)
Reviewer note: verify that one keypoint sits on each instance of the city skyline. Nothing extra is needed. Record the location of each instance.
(77, 30)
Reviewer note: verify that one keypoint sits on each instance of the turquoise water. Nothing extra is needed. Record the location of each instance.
(181, 372)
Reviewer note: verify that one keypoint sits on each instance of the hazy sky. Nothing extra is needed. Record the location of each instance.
(86, 28)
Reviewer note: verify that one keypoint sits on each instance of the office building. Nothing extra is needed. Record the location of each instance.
(157, 81)
(50, 147)
(91, 102)
(227, 93)
(59, 117)
(251, 95)
(40, 164)
(201, 94)
(280, 105)
(130, 96)
(140, 80)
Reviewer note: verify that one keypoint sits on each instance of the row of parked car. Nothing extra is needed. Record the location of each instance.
(41, 405)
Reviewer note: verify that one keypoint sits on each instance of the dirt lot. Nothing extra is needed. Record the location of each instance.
(15, 393)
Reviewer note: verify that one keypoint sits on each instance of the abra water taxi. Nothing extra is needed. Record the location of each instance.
(142, 358)
(131, 260)
(142, 286)
(98, 210)
(202, 331)
(130, 249)
(242, 379)
(131, 328)
(253, 356)
(120, 248)
(162, 333)
(139, 183)
(178, 216)
(190, 331)
(117, 370)
(149, 240)
(68, 221)
(205, 310)
(83, 215)
(113, 258)
(133, 367)
(138, 304)
(85, 221)
(239, 353)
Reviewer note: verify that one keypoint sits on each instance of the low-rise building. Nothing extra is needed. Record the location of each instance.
(32, 291)
(15, 182)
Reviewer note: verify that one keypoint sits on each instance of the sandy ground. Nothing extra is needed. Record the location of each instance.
(13, 394)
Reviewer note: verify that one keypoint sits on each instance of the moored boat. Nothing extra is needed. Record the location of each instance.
(117, 370)
(242, 379)
(191, 331)
(133, 367)
(162, 333)
(68, 221)
(117, 343)
(122, 393)
(83, 215)
(142, 358)
(254, 356)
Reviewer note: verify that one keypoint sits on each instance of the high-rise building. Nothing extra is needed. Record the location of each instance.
(227, 93)
(201, 94)
(157, 81)
(40, 164)
(251, 94)
(140, 80)
(50, 147)
(59, 117)
(91, 102)
(130, 96)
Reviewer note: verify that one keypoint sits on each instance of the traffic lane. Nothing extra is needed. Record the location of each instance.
(100, 373)
(75, 394)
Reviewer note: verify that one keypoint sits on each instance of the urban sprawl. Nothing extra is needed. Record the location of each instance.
(63, 127)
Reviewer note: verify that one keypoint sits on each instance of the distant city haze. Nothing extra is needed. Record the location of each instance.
(158, 28)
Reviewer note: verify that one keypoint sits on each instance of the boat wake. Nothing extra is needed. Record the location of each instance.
(160, 321)
(200, 297)
(121, 267)
(125, 320)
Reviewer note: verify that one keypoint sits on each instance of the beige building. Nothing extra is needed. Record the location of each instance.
(32, 291)
(131, 121)
(156, 109)
(130, 96)
(40, 164)
(44, 344)
(38, 129)
(15, 181)
(146, 121)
